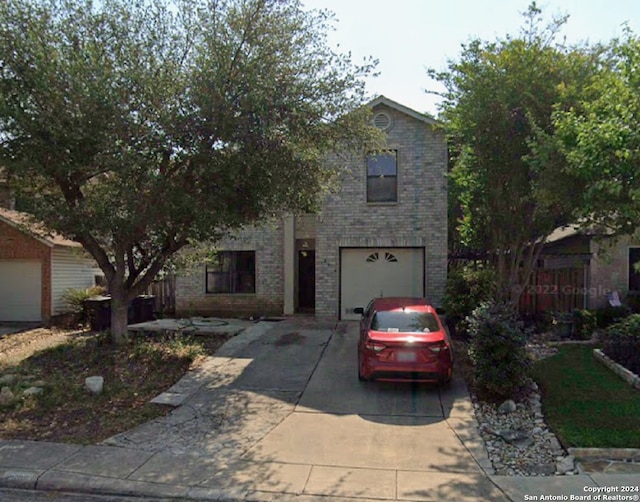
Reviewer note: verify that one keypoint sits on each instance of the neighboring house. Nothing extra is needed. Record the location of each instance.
(36, 267)
(578, 270)
(383, 233)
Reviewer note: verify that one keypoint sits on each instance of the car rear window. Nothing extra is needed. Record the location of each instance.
(404, 322)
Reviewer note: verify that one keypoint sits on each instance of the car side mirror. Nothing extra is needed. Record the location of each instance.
(440, 311)
(358, 310)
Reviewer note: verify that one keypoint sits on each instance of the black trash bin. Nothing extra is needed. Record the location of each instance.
(143, 308)
(98, 311)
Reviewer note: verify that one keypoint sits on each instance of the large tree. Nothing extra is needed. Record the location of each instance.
(600, 137)
(511, 192)
(137, 127)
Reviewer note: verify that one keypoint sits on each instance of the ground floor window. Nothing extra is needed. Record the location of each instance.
(232, 272)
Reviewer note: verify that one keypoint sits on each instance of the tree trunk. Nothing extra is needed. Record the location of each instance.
(119, 314)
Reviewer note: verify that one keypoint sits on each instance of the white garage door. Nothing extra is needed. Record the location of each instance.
(20, 290)
(367, 273)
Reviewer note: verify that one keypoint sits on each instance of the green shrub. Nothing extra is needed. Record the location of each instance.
(606, 316)
(584, 324)
(466, 289)
(621, 342)
(561, 323)
(497, 351)
(74, 300)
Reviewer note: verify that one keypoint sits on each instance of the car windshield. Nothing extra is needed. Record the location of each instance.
(403, 322)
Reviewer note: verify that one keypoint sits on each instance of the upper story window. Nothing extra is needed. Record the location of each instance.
(232, 272)
(634, 275)
(382, 176)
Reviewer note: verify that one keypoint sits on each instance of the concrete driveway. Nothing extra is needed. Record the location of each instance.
(280, 410)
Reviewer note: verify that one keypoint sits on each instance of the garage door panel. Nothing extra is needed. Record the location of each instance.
(20, 290)
(368, 273)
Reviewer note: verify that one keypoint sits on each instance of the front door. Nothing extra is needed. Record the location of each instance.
(306, 280)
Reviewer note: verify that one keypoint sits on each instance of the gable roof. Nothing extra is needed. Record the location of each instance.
(561, 233)
(24, 223)
(382, 100)
(574, 229)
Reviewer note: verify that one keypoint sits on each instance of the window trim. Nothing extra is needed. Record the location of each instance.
(396, 176)
(232, 273)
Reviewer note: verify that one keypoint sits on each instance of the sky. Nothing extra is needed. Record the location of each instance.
(408, 36)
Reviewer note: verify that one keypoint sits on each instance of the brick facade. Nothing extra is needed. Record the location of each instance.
(16, 245)
(266, 241)
(609, 269)
(418, 219)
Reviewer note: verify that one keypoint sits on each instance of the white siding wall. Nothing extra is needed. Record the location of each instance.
(69, 269)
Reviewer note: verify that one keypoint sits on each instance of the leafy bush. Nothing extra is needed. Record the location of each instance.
(497, 350)
(606, 316)
(584, 324)
(74, 301)
(622, 343)
(561, 323)
(74, 298)
(467, 288)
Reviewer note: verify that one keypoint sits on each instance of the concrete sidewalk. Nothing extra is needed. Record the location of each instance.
(278, 414)
(119, 471)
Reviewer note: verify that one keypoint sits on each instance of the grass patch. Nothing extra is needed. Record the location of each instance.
(134, 374)
(584, 403)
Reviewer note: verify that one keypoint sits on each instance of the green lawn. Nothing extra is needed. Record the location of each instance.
(584, 403)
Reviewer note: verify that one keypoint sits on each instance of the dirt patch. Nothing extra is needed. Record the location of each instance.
(16, 347)
(57, 362)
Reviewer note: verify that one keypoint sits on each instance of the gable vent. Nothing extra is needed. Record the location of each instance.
(382, 121)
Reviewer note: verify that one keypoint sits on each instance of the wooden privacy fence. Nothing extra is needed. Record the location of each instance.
(165, 292)
(559, 290)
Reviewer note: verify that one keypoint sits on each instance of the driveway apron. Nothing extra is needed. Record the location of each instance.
(280, 410)
(342, 422)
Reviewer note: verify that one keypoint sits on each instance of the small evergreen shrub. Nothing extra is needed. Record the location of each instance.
(466, 288)
(584, 324)
(74, 300)
(606, 316)
(562, 324)
(621, 342)
(497, 350)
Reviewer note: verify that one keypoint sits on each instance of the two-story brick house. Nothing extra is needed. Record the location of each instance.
(384, 232)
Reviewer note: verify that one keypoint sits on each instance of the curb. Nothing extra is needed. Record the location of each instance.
(621, 454)
(628, 376)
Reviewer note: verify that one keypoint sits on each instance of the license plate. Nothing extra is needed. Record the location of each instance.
(406, 357)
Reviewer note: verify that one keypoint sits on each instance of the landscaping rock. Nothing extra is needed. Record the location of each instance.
(8, 379)
(509, 406)
(94, 384)
(32, 391)
(518, 443)
(517, 438)
(565, 465)
(6, 396)
(547, 469)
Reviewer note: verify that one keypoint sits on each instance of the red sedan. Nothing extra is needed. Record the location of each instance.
(403, 339)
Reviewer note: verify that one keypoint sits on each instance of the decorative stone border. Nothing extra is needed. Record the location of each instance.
(628, 454)
(628, 376)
